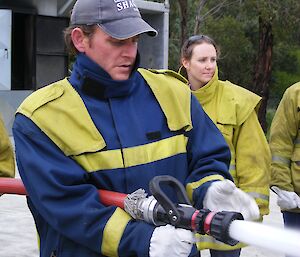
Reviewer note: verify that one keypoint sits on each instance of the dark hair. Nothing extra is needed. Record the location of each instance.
(188, 46)
(88, 30)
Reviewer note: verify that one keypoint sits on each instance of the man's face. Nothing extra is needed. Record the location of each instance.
(116, 57)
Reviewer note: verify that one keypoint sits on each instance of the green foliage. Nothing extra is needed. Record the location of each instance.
(237, 53)
(286, 71)
(281, 82)
(269, 117)
(174, 39)
(235, 28)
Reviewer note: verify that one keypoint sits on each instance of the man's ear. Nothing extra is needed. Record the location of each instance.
(79, 39)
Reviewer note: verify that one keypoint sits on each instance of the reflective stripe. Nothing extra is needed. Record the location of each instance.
(232, 167)
(259, 196)
(281, 160)
(132, 156)
(232, 170)
(190, 187)
(208, 242)
(103, 160)
(113, 232)
(155, 151)
(263, 206)
(297, 141)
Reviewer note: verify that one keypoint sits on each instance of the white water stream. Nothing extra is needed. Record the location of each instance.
(272, 238)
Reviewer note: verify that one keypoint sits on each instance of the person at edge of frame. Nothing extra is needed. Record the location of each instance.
(7, 159)
(285, 148)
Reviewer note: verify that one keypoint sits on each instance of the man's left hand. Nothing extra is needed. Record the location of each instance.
(225, 196)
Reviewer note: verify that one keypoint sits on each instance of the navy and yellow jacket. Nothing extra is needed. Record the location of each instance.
(89, 132)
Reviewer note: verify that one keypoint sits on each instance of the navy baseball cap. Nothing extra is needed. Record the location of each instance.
(121, 19)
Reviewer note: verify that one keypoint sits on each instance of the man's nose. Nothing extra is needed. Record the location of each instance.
(130, 49)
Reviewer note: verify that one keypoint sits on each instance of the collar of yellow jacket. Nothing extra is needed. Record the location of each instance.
(206, 93)
(234, 103)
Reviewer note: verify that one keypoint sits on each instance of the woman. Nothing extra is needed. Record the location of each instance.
(233, 110)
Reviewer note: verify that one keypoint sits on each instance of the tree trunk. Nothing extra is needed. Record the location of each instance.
(183, 4)
(198, 16)
(262, 73)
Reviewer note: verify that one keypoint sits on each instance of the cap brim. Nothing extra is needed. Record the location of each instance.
(127, 28)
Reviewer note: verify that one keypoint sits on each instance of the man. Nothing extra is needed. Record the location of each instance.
(7, 161)
(285, 149)
(111, 126)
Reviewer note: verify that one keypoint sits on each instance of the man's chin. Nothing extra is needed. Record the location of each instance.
(120, 77)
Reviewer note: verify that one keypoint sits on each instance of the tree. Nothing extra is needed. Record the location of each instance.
(245, 30)
(183, 4)
(262, 73)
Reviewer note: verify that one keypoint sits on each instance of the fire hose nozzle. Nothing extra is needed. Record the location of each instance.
(216, 224)
(160, 210)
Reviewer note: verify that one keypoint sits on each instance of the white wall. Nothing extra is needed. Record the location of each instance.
(5, 49)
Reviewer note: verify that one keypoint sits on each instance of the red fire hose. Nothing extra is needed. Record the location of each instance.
(15, 186)
(157, 210)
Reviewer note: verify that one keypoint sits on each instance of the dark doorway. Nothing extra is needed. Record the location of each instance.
(23, 64)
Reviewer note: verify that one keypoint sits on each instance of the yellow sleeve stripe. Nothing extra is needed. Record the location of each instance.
(208, 242)
(113, 232)
(190, 187)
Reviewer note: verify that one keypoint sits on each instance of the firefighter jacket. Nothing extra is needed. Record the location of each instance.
(90, 132)
(7, 160)
(285, 142)
(233, 110)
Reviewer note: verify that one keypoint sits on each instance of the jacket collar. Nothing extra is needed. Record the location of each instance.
(92, 80)
(206, 93)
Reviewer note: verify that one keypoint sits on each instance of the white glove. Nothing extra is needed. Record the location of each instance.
(286, 200)
(225, 196)
(170, 241)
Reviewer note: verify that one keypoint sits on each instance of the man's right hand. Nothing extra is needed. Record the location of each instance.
(170, 241)
(286, 200)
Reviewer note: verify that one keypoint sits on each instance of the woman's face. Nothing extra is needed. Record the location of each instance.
(202, 65)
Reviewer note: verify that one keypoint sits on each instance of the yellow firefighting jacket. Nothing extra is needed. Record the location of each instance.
(285, 142)
(7, 161)
(233, 110)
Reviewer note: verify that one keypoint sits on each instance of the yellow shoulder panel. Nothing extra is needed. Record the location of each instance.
(173, 95)
(60, 113)
(236, 103)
